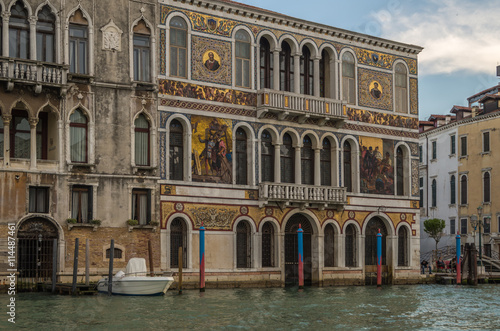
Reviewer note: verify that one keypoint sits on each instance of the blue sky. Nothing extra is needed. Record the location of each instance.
(460, 39)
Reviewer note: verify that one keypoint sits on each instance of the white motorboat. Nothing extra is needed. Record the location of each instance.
(135, 281)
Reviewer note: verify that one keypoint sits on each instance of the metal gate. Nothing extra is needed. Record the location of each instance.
(35, 253)
(291, 250)
(178, 238)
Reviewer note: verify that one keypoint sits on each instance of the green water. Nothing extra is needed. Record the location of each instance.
(424, 307)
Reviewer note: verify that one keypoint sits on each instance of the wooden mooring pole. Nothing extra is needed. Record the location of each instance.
(87, 262)
(75, 267)
(150, 253)
(180, 270)
(54, 266)
(110, 274)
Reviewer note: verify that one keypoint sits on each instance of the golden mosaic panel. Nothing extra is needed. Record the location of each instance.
(375, 89)
(167, 208)
(373, 117)
(213, 217)
(221, 71)
(414, 178)
(167, 190)
(413, 96)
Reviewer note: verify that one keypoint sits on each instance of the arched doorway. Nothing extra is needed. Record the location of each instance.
(35, 252)
(178, 238)
(371, 231)
(291, 250)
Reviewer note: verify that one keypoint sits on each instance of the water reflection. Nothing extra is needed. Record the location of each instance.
(394, 307)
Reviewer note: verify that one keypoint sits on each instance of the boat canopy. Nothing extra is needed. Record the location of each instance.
(136, 266)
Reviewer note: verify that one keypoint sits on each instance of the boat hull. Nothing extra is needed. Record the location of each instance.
(140, 285)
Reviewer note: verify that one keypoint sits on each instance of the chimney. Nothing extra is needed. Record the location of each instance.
(475, 111)
(447, 119)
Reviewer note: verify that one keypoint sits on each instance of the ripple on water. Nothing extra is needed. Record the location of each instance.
(397, 307)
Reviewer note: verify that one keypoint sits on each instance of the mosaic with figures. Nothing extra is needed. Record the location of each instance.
(375, 89)
(376, 165)
(372, 117)
(211, 60)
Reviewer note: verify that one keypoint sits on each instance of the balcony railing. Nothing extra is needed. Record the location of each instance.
(32, 72)
(305, 106)
(301, 194)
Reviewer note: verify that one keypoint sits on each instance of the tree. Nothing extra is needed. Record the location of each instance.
(434, 228)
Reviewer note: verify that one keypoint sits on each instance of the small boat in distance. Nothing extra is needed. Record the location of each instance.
(135, 281)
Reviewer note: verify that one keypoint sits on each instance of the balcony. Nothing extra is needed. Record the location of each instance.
(286, 194)
(34, 73)
(301, 106)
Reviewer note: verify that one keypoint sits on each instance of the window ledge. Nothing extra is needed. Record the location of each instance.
(464, 157)
(452, 205)
(80, 78)
(487, 203)
(433, 160)
(83, 225)
(142, 170)
(464, 205)
(485, 153)
(452, 155)
(73, 165)
(142, 226)
(145, 86)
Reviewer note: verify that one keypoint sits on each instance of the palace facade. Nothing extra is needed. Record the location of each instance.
(178, 114)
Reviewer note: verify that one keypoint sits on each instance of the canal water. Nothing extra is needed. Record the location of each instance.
(424, 307)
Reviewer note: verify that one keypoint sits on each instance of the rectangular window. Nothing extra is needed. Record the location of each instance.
(141, 58)
(487, 224)
(463, 226)
(434, 150)
(77, 49)
(486, 142)
(39, 199)
(452, 226)
(421, 192)
(81, 203)
(452, 145)
(420, 154)
(463, 146)
(141, 206)
(487, 250)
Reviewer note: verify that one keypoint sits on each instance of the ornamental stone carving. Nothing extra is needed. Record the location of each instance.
(111, 37)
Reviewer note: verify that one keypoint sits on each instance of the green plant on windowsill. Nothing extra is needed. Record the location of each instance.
(154, 223)
(132, 222)
(71, 220)
(95, 222)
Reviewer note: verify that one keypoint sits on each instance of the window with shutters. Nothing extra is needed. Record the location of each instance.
(350, 246)
(287, 160)
(266, 64)
(176, 157)
(286, 68)
(306, 72)
(347, 166)
(178, 238)
(326, 163)
(141, 205)
(401, 82)
(452, 226)
(486, 187)
(19, 32)
(268, 245)
(242, 53)
(178, 47)
(142, 149)
(243, 245)
(267, 157)
(81, 203)
(329, 246)
(463, 226)
(307, 161)
(403, 246)
(452, 145)
(463, 190)
(399, 172)
(486, 142)
(45, 35)
(463, 146)
(348, 78)
(241, 157)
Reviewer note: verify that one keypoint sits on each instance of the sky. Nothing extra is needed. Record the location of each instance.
(460, 39)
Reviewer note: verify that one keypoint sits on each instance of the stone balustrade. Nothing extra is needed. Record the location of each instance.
(302, 194)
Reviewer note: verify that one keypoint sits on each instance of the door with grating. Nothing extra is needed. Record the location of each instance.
(291, 250)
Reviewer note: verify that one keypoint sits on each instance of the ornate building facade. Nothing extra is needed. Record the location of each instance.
(268, 123)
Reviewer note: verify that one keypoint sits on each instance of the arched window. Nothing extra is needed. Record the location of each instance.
(117, 253)
(286, 68)
(329, 246)
(266, 64)
(78, 43)
(403, 246)
(348, 78)
(41, 136)
(268, 245)
(241, 157)
(267, 157)
(401, 88)
(19, 32)
(324, 75)
(350, 246)
(142, 150)
(20, 135)
(176, 141)
(142, 53)
(178, 47)
(463, 190)
(453, 193)
(243, 245)
(326, 163)
(307, 161)
(78, 136)
(242, 53)
(306, 72)
(347, 167)
(434, 193)
(178, 238)
(287, 160)
(399, 172)
(486, 187)
(45, 32)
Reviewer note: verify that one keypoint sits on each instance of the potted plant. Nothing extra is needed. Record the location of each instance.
(95, 222)
(132, 222)
(154, 223)
(71, 220)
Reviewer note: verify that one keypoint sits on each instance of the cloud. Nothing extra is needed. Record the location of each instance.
(457, 35)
